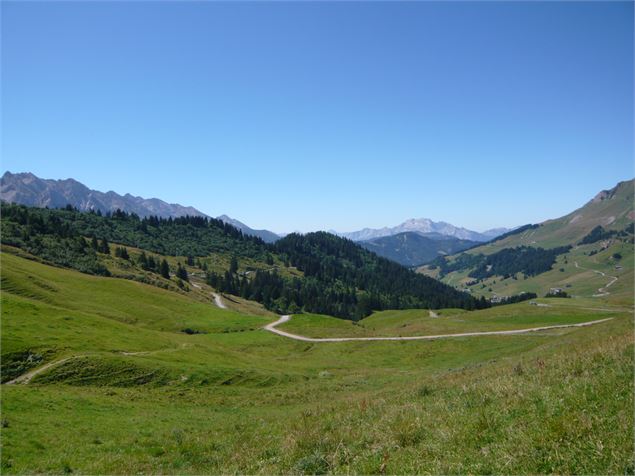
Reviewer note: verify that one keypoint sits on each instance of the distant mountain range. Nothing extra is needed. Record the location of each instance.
(28, 189)
(413, 248)
(423, 226)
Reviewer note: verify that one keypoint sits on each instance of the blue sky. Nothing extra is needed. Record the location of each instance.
(305, 116)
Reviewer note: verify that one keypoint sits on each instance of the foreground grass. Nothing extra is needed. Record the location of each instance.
(238, 399)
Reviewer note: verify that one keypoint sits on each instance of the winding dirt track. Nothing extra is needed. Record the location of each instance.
(219, 301)
(26, 378)
(603, 290)
(272, 328)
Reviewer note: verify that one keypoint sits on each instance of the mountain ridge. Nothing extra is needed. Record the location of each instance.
(266, 235)
(596, 236)
(28, 189)
(423, 226)
(413, 249)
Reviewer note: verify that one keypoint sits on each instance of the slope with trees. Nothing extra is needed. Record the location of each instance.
(336, 277)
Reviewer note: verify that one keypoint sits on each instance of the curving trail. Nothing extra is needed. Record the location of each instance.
(603, 290)
(26, 378)
(272, 328)
(219, 301)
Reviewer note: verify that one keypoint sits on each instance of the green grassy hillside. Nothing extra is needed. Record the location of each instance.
(415, 322)
(611, 209)
(613, 255)
(316, 272)
(138, 395)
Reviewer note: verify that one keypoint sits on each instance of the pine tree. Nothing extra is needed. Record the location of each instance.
(94, 244)
(165, 269)
(143, 260)
(233, 265)
(105, 248)
(121, 252)
(181, 273)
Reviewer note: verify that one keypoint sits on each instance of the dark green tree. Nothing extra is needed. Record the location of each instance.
(181, 273)
(165, 269)
(104, 248)
(233, 265)
(121, 252)
(143, 260)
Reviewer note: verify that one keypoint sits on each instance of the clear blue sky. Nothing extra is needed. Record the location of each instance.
(304, 116)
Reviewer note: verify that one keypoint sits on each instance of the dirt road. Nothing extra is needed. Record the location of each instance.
(219, 301)
(26, 378)
(272, 328)
(603, 290)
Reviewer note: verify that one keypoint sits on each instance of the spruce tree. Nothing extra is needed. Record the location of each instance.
(165, 269)
(181, 273)
(233, 265)
(143, 260)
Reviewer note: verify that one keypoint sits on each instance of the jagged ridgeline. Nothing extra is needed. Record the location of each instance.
(336, 276)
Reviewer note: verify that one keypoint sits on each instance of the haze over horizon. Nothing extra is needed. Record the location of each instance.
(481, 115)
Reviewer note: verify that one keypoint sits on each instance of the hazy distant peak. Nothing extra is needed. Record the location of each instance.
(423, 226)
(265, 235)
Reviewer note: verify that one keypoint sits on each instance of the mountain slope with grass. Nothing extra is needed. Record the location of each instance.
(315, 272)
(123, 388)
(610, 209)
(579, 253)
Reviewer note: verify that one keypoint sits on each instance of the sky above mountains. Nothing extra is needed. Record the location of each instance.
(304, 116)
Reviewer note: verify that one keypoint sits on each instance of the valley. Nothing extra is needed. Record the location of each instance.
(141, 395)
(183, 346)
(317, 238)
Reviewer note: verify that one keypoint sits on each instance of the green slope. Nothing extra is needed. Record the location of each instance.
(317, 272)
(140, 396)
(612, 209)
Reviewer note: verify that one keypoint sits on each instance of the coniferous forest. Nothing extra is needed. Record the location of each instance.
(339, 277)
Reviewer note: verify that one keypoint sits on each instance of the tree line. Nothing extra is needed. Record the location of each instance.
(340, 277)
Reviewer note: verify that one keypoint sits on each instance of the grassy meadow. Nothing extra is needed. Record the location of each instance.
(577, 280)
(162, 381)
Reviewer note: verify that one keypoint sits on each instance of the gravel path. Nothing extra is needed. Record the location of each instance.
(272, 328)
(26, 378)
(219, 301)
(603, 290)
